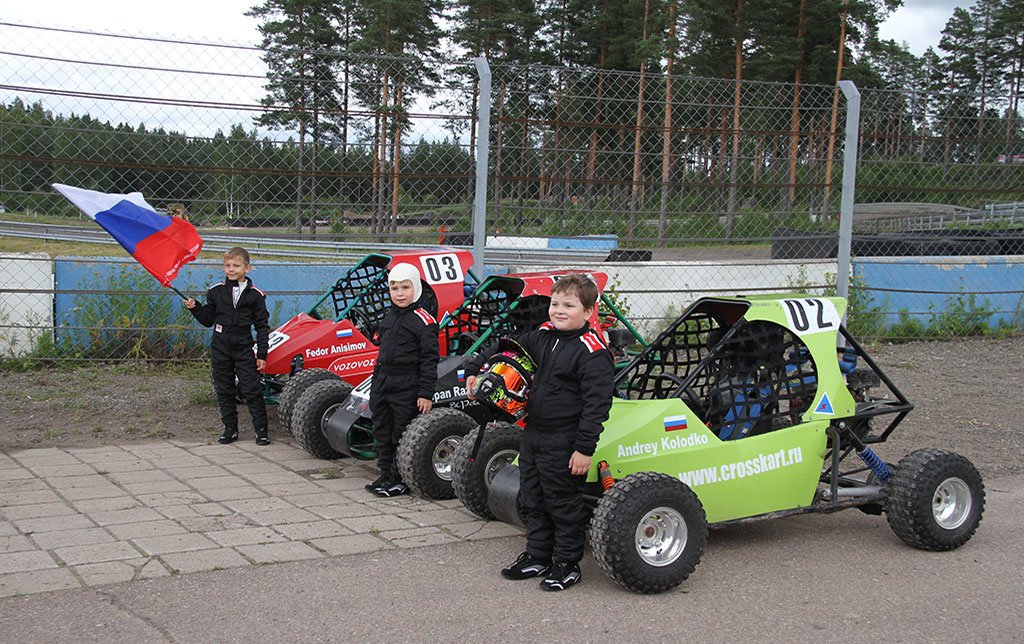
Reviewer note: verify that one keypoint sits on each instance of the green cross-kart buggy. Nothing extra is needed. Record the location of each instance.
(331, 339)
(745, 408)
(330, 419)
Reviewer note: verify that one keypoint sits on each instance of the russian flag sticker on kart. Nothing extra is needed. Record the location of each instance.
(824, 405)
(344, 333)
(674, 423)
(461, 374)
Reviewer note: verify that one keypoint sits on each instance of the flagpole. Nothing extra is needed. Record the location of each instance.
(180, 294)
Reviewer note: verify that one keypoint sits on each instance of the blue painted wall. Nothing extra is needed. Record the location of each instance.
(86, 295)
(921, 286)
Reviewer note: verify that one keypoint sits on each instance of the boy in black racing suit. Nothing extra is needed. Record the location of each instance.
(566, 407)
(404, 375)
(233, 308)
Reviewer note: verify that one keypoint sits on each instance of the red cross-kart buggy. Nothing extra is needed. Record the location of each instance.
(331, 339)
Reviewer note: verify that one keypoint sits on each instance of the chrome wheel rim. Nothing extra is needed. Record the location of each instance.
(661, 536)
(444, 456)
(951, 503)
(497, 463)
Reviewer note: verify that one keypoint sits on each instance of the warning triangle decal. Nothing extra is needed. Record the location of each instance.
(824, 405)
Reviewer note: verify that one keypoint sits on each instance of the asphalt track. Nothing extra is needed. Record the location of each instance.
(840, 577)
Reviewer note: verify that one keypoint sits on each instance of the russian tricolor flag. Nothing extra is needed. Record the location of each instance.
(344, 333)
(160, 243)
(460, 374)
(673, 423)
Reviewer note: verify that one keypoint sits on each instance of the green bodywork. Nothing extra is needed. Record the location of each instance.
(758, 474)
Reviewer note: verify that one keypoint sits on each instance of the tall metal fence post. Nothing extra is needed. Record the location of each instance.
(850, 155)
(483, 141)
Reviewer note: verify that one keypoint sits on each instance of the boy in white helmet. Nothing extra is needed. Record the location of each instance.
(405, 373)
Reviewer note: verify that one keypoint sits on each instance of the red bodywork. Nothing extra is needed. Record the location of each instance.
(342, 345)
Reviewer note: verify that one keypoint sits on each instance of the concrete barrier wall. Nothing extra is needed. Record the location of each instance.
(25, 316)
(650, 292)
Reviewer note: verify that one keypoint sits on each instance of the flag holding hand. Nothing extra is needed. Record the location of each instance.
(162, 244)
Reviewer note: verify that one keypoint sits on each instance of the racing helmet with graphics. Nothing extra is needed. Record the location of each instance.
(504, 383)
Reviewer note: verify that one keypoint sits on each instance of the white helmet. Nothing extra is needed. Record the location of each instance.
(402, 272)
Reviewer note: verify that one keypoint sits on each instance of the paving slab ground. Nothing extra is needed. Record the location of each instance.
(82, 517)
(809, 578)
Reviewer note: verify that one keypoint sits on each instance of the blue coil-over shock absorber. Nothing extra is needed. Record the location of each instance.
(882, 471)
(877, 465)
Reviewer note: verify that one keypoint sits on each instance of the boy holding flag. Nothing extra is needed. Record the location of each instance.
(233, 308)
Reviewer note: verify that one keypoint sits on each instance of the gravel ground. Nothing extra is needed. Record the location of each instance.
(966, 395)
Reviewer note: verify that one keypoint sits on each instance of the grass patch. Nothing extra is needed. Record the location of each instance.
(202, 396)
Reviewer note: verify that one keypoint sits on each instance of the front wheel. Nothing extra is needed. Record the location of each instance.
(472, 480)
(936, 499)
(313, 409)
(296, 385)
(426, 451)
(648, 532)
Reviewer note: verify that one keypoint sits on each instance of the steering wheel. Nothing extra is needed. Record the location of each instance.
(465, 340)
(694, 401)
(666, 384)
(361, 321)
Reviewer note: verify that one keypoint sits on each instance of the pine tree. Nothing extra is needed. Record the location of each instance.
(301, 46)
(402, 37)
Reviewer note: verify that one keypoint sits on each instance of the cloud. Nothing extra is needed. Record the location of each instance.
(919, 23)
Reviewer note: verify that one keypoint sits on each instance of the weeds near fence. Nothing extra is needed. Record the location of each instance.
(124, 320)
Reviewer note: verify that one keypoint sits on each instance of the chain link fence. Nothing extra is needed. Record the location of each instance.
(676, 186)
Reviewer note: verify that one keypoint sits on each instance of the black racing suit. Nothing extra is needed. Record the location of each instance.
(231, 351)
(406, 369)
(566, 407)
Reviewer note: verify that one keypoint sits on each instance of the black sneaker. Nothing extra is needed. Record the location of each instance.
(394, 488)
(229, 435)
(561, 576)
(378, 485)
(261, 437)
(525, 567)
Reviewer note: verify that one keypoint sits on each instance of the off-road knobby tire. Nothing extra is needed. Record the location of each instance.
(415, 456)
(469, 480)
(293, 389)
(309, 413)
(614, 526)
(912, 490)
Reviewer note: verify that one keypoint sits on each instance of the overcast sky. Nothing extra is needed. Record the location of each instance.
(918, 22)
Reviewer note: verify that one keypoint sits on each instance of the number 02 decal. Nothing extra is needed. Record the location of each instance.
(442, 269)
(811, 315)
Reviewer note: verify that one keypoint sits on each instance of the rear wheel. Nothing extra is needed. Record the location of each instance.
(472, 480)
(427, 450)
(294, 388)
(648, 532)
(936, 499)
(313, 409)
